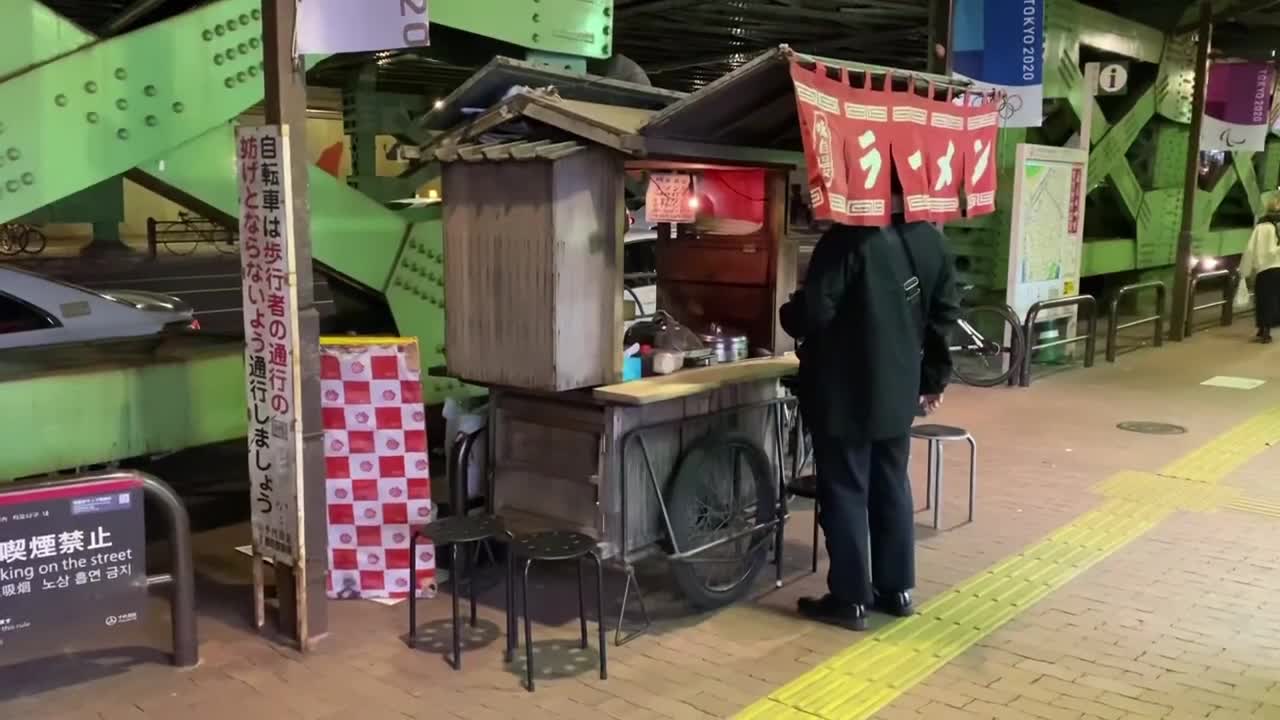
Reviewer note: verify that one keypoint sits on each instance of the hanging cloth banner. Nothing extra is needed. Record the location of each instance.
(999, 44)
(945, 141)
(982, 124)
(910, 130)
(855, 138)
(345, 26)
(1237, 106)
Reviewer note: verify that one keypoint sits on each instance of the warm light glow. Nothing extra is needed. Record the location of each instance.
(1209, 263)
(693, 203)
(438, 104)
(433, 195)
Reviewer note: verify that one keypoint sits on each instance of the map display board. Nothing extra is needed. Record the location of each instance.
(1046, 240)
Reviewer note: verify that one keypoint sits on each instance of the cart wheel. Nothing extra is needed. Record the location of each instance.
(724, 485)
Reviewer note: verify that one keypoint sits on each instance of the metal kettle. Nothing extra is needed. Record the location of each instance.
(727, 345)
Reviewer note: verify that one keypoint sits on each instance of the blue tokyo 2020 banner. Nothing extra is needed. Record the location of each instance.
(1000, 44)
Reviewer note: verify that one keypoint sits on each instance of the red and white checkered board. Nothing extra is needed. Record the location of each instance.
(377, 480)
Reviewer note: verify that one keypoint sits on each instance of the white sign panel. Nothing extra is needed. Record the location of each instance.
(670, 199)
(272, 377)
(343, 26)
(1047, 234)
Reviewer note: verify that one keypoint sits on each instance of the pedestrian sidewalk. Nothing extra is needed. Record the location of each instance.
(1109, 575)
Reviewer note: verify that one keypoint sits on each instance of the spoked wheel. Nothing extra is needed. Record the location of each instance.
(986, 345)
(724, 487)
(33, 241)
(10, 240)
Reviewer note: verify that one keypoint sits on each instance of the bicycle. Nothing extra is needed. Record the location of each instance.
(200, 230)
(986, 343)
(18, 238)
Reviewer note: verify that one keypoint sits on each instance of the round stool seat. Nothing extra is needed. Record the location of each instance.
(939, 432)
(553, 545)
(463, 529)
(805, 486)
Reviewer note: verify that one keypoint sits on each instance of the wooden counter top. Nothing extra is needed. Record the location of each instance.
(696, 381)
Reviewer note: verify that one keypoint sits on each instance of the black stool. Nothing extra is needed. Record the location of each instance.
(559, 546)
(936, 436)
(457, 531)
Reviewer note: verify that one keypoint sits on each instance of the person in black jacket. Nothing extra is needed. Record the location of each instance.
(872, 320)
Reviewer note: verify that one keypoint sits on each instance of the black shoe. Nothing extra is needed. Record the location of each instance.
(827, 609)
(897, 604)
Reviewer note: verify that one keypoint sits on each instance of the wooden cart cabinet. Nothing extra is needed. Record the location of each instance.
(533, 267)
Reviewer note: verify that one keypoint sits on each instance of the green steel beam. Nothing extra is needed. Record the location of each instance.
(100, 403)
(34, 34)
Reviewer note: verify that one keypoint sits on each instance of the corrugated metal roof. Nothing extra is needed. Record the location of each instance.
(500, 151)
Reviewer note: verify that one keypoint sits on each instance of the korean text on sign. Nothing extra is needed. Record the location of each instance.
(270, 336)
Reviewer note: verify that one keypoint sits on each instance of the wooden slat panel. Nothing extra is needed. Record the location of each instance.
(588, 220)
(498, 281)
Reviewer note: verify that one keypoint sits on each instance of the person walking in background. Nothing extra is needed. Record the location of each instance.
(873, 314)
(1260, 267)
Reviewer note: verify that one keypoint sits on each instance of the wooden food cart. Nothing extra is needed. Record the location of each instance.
(688, 465)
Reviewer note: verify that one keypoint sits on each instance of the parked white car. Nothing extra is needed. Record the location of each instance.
(36, 310)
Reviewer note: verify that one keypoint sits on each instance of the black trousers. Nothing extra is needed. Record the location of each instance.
(1267, 300)
(865, 508)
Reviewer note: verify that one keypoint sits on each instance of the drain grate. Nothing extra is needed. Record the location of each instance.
(1152, 428)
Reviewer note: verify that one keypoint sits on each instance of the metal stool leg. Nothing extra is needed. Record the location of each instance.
(528, 626)
(512, 624)
(457, 629)
(928, 475)
(973, 476)
(604, 652)
(472, 562)
(413, 594)
(582, 604)
(937, 486)
(816, 527)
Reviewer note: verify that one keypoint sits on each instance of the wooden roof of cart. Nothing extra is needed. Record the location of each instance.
(747, 117)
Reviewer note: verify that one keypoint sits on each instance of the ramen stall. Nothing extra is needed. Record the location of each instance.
(686, 464)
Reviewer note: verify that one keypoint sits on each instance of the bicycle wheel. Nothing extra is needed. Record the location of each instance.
(986, 345)
(10, 240)
(183, 247)
(33, 241)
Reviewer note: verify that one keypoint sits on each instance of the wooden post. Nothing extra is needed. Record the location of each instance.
(300, 591)
(1182, 264)
(940, 27)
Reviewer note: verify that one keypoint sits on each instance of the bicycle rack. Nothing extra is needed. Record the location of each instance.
(186, 647)
(1226, 303)
(1084, 302)
(1114, 327)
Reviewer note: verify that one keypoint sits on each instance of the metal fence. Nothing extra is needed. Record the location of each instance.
(1089, 307)
(1114, 327)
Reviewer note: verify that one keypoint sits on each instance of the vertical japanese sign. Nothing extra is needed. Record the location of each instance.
(999, 44)
(72, 567)
(341, 26)
(1237, 106)
(268, 278)
(670, 199)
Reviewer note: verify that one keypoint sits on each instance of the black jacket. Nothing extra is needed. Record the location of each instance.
(864, 359)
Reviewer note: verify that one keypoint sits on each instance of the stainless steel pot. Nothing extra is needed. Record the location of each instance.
(727, 346)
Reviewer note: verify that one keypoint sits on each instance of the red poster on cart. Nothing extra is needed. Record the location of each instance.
(945, 142)
(821, 126)
(910, 116)
(980, 157)
(868, 157)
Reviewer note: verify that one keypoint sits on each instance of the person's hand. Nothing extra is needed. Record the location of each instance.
(930, 403)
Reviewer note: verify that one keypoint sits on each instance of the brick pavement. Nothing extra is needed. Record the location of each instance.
(1174, 624)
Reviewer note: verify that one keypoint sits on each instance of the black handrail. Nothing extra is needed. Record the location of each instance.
(1226, 303)
(203, 229)
(186, 647)
(1114, 327)
(459, 471)
(1084, 302)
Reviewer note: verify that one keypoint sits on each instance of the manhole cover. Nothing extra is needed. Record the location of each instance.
(1152, 428)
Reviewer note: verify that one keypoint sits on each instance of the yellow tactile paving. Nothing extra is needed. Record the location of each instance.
(866, 677)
